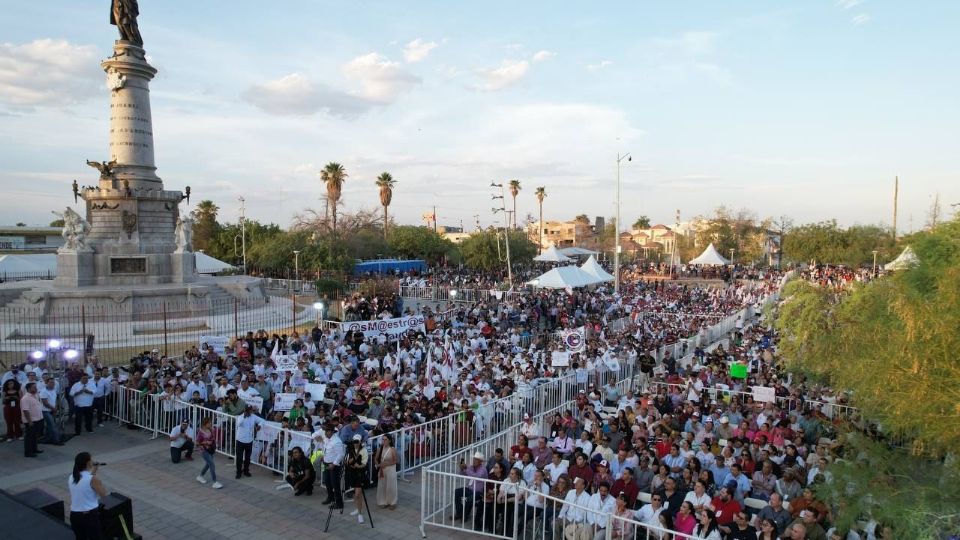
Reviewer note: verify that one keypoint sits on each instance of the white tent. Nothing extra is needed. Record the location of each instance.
(208, 265)
(34, 263)
(593, 268)
(575, 251)
(552, 254)
(710, 257)
(564, 277)
(905, 260)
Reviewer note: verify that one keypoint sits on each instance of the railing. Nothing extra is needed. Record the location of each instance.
(508, 510)
(446, 293)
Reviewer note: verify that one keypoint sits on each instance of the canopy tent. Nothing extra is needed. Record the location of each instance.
(34, 263)
(906, 259)
(575, 251)
(552, 254)
(593, 268)
(709, 257)
(564, 277)
(208, 265)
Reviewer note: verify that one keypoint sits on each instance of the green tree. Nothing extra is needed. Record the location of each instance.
(541, 194)
(582, 218)
(514, 191)
(826, 242)
(642, 222)
(333, 176)
(486, 250)
(57, 223)
(205, 224)
(891, 344)
(410, 241)
(385, 182)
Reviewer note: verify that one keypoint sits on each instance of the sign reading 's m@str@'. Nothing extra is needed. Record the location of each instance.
(390, 327)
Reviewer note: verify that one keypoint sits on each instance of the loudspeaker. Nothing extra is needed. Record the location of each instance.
(112, 508)
(39, 499)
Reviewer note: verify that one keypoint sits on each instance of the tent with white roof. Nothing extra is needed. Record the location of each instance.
(576, 251)
(552, 254)
(906, 259)
(564, 277)
(709, 257)
(593, 268)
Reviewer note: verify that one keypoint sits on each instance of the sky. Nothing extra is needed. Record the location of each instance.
(806, 109)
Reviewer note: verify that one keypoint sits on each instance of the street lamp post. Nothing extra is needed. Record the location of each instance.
(243, 233)
(616, 231)
(874, 263)
(296, 269)
(318, 306)
(731, 255)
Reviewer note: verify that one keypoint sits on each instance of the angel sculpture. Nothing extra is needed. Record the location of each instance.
(75, 230)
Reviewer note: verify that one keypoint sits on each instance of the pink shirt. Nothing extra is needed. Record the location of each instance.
(30, 410)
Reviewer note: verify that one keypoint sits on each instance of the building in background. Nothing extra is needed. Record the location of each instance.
(30, 239)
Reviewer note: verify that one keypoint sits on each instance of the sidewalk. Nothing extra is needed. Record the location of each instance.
(169, 503)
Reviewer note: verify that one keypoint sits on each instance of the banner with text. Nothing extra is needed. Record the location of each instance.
(217, 343)
(388, 327)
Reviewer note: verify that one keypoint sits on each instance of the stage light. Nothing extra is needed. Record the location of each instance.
(71, 354)
(318, 306)
(53, 344)
(37, 355)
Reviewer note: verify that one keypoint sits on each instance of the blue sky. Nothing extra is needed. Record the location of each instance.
(805, 108)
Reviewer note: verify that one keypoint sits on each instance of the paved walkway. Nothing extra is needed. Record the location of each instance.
(169, 503)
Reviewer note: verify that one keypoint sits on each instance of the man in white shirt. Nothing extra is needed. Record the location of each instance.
(48, 396)
(181, 441)
(572, 518)
(82, 393)
(101, 379)
(247, 426)
(602, 504)
(246, 391)
(528, 428)
(649, 514)
(333, 454)
(556, 467)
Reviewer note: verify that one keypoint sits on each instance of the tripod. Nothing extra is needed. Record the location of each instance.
(363, 493)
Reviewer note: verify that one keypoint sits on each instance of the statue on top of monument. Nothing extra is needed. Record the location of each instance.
(105, 168)
(123, 14)
(184, 234)
(75, 230)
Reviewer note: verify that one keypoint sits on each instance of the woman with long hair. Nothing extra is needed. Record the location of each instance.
(386, 461)
(685, 520)
(768, 530)
(356, 473)
(707, 527)
(300, 473)
(207, 441)
(85, 492)
(11, 409)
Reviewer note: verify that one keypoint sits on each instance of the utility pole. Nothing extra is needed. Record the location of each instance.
(506, 227)
(896, 192)
(676, 240)
(477, 218)
(435, 228)
(243, 233)
(616, 229)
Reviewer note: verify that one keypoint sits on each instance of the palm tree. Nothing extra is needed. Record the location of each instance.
(385, 182)
(514, 190)
(541, 192)
(333, 175)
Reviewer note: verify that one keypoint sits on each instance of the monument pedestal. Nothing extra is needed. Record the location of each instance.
(183, 265)
(75, 269)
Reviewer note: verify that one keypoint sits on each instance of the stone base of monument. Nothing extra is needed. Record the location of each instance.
(183, 267)
(75, 269)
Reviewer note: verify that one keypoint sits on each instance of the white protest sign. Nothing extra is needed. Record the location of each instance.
(284, 402)
(317, 391)
(268, 431)
(386, 327)
(764, 394)
(560, 359)
(217, 343)
(254, 401)
(286, 362)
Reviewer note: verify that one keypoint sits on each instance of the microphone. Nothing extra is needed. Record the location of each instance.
(97, 464)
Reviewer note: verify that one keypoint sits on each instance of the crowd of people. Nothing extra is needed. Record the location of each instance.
(695, 454)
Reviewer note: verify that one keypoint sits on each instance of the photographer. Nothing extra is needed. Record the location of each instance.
(357, 473)
(85, 492)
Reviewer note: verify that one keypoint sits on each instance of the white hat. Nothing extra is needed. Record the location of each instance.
(357, 438)
(478, 455)
(724, 420)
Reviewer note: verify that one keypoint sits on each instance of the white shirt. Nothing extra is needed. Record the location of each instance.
(601, 507)
(82, 496)
(576, 513)
(248, 393)
(246, 425)
(333, 450)
(176, 440)
(555, 470)
(103, 387)
(535, 500)
(83, 395)
(50, 396)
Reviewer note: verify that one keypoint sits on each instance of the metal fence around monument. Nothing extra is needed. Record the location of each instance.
(116, 333)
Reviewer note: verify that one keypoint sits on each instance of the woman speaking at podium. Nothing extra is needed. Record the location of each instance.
(85, 493)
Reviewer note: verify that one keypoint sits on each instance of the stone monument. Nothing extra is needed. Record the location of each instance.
(130, 245)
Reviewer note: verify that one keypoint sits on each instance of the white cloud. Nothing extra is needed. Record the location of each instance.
(540, 56)
(296, 95)
(418, 50)
(48, 72)
(382, 80)
(862, 18)
(600, 65)
(509, 73)
(848, 4)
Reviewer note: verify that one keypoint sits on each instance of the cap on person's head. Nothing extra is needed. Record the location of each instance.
(526, 416)
(357, 438)
(696, 413)
(478, 455)
(179, 373)
(806, 513)
(155, 351)
(724, 420)
(603, 463)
